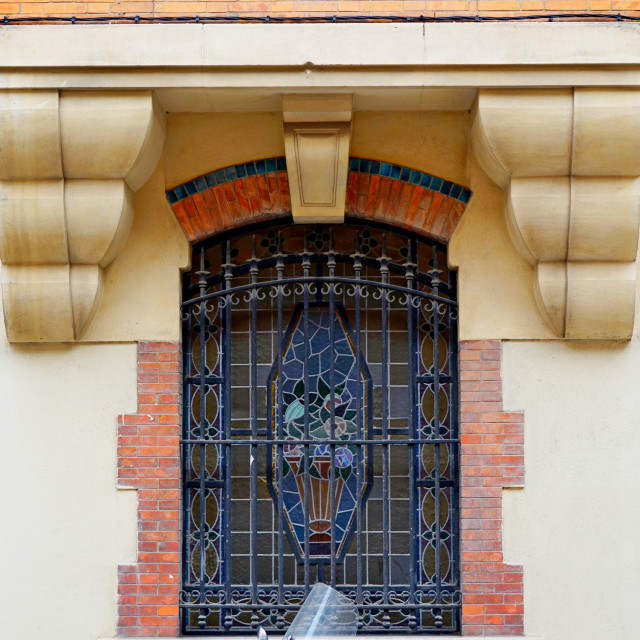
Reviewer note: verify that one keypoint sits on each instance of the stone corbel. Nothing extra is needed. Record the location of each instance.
(69, 165)
(569, 161)
(317, 134)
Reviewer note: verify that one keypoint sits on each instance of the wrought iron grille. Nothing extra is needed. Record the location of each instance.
(320, 428)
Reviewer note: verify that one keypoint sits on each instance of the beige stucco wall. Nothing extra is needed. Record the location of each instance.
(434, 142)
(65, 526)
(197, 143)
(575, 524)
(495, 284)
(68, 526)
(142, 287)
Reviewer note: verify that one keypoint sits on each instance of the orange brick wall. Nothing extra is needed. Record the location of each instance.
(149, 460)
(311, 8)
(492, 457)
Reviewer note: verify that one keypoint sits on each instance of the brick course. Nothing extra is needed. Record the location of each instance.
(149, 461)
(237, 202)
(313, 8)
(403, 204)
(492, 457)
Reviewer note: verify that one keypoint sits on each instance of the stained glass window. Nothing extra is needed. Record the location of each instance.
(320, 429)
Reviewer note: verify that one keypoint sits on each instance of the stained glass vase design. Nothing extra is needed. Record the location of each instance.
(319, 388)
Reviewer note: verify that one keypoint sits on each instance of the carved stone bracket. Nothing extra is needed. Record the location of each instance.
(569, 161)
(317, 133)
(70, 162)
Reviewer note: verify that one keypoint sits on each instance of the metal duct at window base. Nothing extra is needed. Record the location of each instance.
(320, 429)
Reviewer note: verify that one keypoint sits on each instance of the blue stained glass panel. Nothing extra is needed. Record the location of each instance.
(350, 396)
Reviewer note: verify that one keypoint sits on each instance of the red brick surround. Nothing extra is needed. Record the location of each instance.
(403, 204)
(149, 460)
(234, 203)
(492, 457)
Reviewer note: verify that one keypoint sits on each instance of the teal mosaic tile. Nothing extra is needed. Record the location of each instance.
(360, 165)
(226, 174)
(412, 176)
(210, 179)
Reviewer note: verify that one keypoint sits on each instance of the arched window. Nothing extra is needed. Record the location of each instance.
(320, 428)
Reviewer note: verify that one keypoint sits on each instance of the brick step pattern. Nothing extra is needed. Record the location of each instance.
(149, 461)
(491, 458)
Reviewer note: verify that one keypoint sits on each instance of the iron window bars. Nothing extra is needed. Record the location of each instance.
(320, 428)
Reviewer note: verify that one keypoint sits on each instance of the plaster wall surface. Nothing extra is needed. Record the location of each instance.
(142, 287)
(66, 526)
(574, 525)
(434, 142)
(495, 284)
(199, 142)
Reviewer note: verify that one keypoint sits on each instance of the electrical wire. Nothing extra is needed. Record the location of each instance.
(252, 19)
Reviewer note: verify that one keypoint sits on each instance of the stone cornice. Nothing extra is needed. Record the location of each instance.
(248, 67)
(309, 45)
(49, 76)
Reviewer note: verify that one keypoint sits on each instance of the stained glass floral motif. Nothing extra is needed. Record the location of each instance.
(318, 237)
(306, 411)
(270, 241)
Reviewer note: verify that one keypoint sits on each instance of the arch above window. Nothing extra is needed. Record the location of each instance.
(376, 190)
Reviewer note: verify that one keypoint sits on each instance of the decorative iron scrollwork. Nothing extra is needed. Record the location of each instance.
(320, 434)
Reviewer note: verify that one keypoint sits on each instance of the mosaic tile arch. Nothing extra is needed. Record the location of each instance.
(259, 190)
